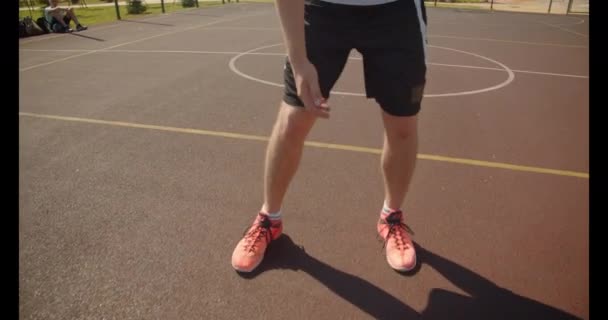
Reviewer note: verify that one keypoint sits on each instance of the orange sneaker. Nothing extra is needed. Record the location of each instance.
(249, 252)
(400, 252)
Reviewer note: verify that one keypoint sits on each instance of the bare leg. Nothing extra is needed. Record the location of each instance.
(398, 157)
(284, 153)
(59, 17)
(282, 159)
(72, 15)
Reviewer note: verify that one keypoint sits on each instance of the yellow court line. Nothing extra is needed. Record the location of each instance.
(470, 162)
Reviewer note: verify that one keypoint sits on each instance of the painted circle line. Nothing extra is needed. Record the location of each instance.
(510, 78)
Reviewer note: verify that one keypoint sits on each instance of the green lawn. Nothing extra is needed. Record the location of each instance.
(461, 4)
(428, 3)
(61, 2)
(66, 2)
(467, 1)
(96, 15)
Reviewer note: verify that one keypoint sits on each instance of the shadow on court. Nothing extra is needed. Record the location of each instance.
(87, 37)
(486, 301)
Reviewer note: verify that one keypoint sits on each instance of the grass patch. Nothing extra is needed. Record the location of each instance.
(96, 15)
(428, 3)
(460, 5)
(466, 1)
(65, 3)
(90, 16)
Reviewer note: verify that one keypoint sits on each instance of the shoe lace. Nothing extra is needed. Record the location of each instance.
(257, 233)
(396, 229)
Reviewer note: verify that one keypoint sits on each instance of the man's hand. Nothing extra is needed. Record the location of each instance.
(307, 83)
(291, 14)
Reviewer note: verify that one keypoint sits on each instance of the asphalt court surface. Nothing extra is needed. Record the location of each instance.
(140, 170)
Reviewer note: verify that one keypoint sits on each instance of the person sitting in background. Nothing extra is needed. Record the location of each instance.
(59, 18)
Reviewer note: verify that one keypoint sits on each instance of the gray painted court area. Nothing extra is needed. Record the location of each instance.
(142, 149)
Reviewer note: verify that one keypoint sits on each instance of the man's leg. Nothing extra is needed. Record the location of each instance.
(327, 48)
(282, 159)
(398, 163)
(398, 156)
(394, 62)
(283, 156)
(67, 19)
(284, 153)
(59, 20)
(70, 14)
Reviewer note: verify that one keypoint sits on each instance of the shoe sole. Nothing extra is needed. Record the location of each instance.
(247, 270)
(402, 269)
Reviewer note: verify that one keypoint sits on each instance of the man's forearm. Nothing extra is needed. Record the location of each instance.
(291, 14)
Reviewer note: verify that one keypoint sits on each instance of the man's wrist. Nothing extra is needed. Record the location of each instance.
(297, 57)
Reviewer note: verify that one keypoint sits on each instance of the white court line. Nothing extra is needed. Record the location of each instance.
(564, 29)
(571, 24)
(246, 28)
(115, 24)
(437, 36)
(430, 36)
(139, 40)
(42, 38)
(282, 54)
(499, 69)
(278, 29)
(510, 78)
(139, 51)
(512, 41)
(551, 74)
(56, 50)
(506, 26)
(517, 71)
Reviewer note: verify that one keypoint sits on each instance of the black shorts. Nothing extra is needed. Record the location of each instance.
(391, 39)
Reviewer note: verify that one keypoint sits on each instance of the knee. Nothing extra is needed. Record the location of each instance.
(293, 126)
(291, 129)
(402, 130)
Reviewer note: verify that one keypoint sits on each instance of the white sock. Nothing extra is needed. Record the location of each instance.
(386, 210)
(274, 215)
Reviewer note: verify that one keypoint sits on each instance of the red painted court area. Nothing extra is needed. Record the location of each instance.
(141, 169)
